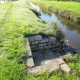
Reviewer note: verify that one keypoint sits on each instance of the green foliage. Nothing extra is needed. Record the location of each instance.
(74, 64)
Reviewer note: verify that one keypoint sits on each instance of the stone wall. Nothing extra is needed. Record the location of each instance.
(47, 60)
(38, 43)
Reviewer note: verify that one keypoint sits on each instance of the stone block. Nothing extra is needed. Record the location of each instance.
(59, 51)
(44, 40)
(30, 39)
(27, 42)
(67, 56)
(33, 46)
(60, 61)
(65, 68)
(46, 47)
(35, 42)
(30, 62)
(53, 43)
(29, 53)
(40, 47)
(50, 46)
(52, 39)
(38, 37)
(30, 43)
(49, 43)
(53, 49)
(29, 49)
(54, 46)
(50, 66)
(42, 44)
(34, 49)
(58, 44)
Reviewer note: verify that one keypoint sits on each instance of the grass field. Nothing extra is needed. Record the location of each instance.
(16, 22)
(71, 6)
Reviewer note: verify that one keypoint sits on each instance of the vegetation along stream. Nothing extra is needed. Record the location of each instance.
(70, 28)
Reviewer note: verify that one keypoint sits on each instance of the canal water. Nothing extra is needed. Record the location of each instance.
(70, 28)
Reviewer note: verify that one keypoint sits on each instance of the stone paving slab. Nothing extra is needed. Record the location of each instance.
(48, 54)
(49, 66)
(29, 49)
(46, 60)
(30, 62)
(60, 61)
(65, 68)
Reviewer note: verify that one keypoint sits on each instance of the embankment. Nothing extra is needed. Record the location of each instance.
(69, 10)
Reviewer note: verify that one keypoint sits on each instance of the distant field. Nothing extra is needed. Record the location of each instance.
(71, 6)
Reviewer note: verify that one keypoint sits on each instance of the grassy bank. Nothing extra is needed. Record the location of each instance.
(70, 10)
(12, 45)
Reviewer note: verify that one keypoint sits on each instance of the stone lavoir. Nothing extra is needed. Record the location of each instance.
(42, 55)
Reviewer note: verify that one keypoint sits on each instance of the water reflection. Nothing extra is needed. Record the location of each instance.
(71, 29)
(70, 25)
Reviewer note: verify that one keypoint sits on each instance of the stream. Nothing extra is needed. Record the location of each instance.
(70, 28)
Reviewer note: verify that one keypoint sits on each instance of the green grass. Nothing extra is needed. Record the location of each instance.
(16, 22)
(12, 46)
(71, 6)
